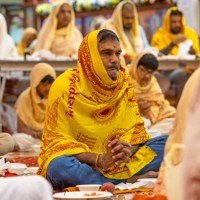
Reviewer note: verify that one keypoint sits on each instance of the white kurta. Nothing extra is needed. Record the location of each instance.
(25, 187)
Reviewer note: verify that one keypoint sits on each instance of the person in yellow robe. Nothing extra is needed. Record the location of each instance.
(25, 44)
(59, 35)
(177, 39)
(178, 175)
(124, 22)
(151, 101)
(31, 105)
(174, 32)
(93, 130)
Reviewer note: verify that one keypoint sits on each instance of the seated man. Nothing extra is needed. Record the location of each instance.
(31, 105)
(151, 101)
(174, 32)
(59, 34)
(169, 40)
(93, 130)
(124, 23)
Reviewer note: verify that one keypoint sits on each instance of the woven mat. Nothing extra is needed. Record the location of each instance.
(30, 161)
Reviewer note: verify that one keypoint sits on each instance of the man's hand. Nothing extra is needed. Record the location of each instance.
(179, 38)
(192, 51)
(144, 107)
(118, 152)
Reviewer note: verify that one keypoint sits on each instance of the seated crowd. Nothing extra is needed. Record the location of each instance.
(95, 120)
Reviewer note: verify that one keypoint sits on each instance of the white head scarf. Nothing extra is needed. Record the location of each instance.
(7, 46)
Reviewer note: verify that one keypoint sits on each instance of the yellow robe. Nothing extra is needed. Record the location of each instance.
(86, 109)
(163, 37)
(160, 107)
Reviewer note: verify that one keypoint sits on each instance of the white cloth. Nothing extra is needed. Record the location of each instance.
(7, 46)
(191, 10)
(25, 142)
(25, 187)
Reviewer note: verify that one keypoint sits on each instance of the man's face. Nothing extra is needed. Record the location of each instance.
(43, 89)
(127, 18)
(64, 15)
(175, 24)
(110, 51)
(144, 75)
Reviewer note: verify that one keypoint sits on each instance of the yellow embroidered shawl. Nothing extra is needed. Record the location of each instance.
(163, 36)
(24, 42)
(65, 41)
(115, 24)
(177, 133)
(30, 107)
(86, 108)
(160, 107)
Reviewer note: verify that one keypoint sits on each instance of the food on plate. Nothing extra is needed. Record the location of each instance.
(92, 194)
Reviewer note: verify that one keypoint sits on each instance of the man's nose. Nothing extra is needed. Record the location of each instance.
(114, 58)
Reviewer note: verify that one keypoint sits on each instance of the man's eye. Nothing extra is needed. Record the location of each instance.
(107, 53)
(118, 54)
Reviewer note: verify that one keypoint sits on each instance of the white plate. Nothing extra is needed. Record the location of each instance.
(31, 170)
(153, 180)
(80, 195)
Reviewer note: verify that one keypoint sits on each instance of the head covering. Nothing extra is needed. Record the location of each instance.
(25, 187)
(163, 37)
(177, 134)
(24, 42)
(7, 46)
(160, 107)
(71, 35)
(116, 24)
(85, 109)
(30, 107)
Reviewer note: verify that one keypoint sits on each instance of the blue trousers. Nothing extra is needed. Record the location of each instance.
(66, 171)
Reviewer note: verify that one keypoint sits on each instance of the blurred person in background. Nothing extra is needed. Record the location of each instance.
(151, 101)
(124, 22)
(176, 39)
(174, 32)
(7, 46)
(31, 105)
(59, 35)
(26, 44)
(179, 171)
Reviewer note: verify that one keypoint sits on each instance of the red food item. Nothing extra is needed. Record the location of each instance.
(148, 197)
(109, 187)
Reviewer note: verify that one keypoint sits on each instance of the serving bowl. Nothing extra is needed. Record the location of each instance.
(89, 187)
(17, 168)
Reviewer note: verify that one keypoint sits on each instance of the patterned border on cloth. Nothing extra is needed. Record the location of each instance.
(30, 161)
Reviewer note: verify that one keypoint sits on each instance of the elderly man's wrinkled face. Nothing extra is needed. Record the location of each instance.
(127, 18)
(110, 51)
(175, 24)
(64, 16)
